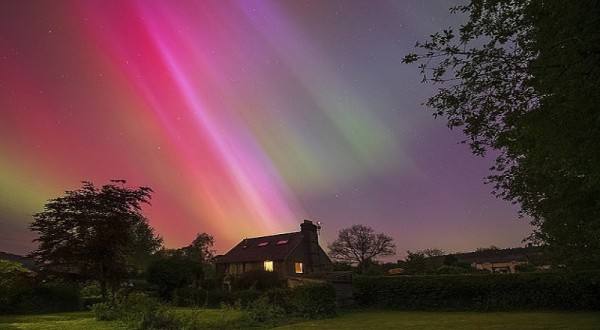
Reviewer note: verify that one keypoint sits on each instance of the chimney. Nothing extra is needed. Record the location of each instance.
(308, 227)
(311, 239)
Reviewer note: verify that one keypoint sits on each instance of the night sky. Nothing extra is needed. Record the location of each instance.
(245, 117)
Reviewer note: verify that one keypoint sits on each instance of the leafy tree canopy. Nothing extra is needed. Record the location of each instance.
(186, 266)
(522, 78)
(361, 245)
(94, 233)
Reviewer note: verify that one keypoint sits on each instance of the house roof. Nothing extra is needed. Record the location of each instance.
(495, 259)
(274, 247)
(500, 255)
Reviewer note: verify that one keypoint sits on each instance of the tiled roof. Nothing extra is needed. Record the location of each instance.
(255, 249)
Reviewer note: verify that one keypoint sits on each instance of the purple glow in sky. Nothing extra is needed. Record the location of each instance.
(245, 117)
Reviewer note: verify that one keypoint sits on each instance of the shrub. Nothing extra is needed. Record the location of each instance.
(264, 311)
(137, 311)
(450, 270)
(259, 280)
(14, 281)
(314, 300)
(48, 298)
(567, 291)
(525, 268)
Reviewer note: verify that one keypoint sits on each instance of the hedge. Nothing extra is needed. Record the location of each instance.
(562, 291)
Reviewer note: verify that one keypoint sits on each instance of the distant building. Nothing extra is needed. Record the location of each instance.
(500, 260)
(289, 254)
(499, 264)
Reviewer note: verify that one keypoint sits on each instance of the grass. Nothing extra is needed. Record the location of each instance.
(384, 319)
(56, 321)
(87, 321)
(354, 319)
(213, 318)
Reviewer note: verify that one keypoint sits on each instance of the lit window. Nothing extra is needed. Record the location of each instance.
(298, 267)
(263, 244)
(283, 241)
(269, 266)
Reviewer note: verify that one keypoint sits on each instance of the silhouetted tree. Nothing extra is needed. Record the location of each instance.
(177, 268)
(171, 272)
(95, 233)
(200, 256)
(450, 260)
(359, 244)
(522, 78)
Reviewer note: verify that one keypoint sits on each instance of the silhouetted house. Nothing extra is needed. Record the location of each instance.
(497, 264)
(289, 254)
(498, 260)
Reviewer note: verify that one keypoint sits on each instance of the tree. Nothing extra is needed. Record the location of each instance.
(14, 279)
(359, 244)
(169, 273)
(423, 261)
(186, 266)
(94, 233)
(200, 256)
(521, 78)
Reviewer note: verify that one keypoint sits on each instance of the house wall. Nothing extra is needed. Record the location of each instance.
(298, 255)
(499, 267)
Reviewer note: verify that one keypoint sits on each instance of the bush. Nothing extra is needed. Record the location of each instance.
(314, 300)
(525, 268)
(258, 280)
(566, 291)
(262, 310)
(451, 270)
(48, 298)
(14, 281)
(137, 311)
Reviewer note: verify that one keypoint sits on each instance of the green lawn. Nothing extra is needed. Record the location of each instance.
(359, 319)
(58, 321)
(380, 319)
(86, 320)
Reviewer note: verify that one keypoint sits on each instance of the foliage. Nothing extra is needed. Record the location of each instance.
(48, 297)
(340, 266)
(314, 301)
(136, 311)
(450, 260)
(179, 268)
(170, 273)
(522, 78)
(258, 280)
(525, 268)
(200, 248)
(566, 291)
(207, 319)
(14, 280)
(91, 289)
(450, 270)
(94, 233)
(426, 261)
(262, 310)
(62, 321)
(359, 244)
(21, 293)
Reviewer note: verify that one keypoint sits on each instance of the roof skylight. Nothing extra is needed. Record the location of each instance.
(283, 241)
(263, 243)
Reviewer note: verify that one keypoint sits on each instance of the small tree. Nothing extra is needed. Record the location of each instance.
(200, 255)
(14, 279)
(178, 268)
(94, 233)
(359, 244)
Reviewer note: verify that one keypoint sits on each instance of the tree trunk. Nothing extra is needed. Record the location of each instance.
(104, 289)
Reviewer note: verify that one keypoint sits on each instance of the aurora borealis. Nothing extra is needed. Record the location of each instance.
(245, 117)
